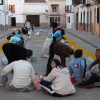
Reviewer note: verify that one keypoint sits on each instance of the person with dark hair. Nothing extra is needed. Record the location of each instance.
(11, 51)
(60, 49)
(54, 25)
(8, 37)
(58, 82)
(23, 74)
(78, 67)
(27, 24)
(57, 36)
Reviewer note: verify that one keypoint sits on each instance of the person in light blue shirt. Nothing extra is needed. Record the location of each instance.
(58, 35)
(15, 40)
(19, 35)
(78, 67)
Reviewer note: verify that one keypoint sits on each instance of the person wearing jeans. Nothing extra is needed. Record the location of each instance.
(23, 74)
(58, 82)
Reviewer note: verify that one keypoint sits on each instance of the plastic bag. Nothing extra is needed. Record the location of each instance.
(4, 61)
(37, 83)
(89, 60)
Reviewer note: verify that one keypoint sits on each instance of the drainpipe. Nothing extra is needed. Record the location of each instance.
(99, 22)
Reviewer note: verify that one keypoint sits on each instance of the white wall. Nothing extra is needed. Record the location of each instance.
(4, 13)
(35, 9)
(71, 15)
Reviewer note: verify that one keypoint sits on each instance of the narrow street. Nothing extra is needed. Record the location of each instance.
(36, 44)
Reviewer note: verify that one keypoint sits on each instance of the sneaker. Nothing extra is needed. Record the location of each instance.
(97, 84)
(1, 85)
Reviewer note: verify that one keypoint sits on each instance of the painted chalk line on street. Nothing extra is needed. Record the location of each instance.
(76, 46)
(2, 45)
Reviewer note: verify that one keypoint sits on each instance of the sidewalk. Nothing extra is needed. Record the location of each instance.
(87, 37)
(5, 33)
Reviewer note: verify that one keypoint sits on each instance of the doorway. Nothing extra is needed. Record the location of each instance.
(51, 21)
(13, 21)
(34, 19)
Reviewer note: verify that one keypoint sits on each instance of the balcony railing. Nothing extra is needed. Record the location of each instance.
(77, 2)
(54, 13)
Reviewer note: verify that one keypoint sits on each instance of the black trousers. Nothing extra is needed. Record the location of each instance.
(51, 56)
(94, 78)
(8, 54)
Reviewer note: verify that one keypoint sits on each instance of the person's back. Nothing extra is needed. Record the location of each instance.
(61, 83)
(60, 48)
(18, 35)
(23, 74)
(78, 67)
(14, 40)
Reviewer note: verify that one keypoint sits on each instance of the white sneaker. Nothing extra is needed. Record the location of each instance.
(1, 85)
(97, 84)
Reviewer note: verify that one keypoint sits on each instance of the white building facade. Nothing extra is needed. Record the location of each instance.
(35, 10)
(69, 14)
(4, 16)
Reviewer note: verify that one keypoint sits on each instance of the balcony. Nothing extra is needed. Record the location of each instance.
(54, 13)
(69, 9)
(77, 2)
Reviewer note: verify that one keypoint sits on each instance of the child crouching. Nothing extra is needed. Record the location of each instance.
(58, 83)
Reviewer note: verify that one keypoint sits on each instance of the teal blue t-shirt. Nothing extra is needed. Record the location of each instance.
(57, 34)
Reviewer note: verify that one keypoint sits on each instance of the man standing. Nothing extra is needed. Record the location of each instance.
(54, 24)
(60, 49)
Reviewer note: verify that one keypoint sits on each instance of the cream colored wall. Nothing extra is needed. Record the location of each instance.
(95, 24)
(61, 10)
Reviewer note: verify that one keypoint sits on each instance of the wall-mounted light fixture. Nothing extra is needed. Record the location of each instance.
(11, 6)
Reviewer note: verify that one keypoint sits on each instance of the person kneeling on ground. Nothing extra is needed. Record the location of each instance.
(22, 77)
(58, 83)
(78, 67)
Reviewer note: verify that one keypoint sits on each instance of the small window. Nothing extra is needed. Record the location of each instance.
(54, 9)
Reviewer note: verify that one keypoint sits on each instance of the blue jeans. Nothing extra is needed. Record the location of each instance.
(47, 86)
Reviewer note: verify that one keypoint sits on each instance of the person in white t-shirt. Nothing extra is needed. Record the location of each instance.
(22, 77)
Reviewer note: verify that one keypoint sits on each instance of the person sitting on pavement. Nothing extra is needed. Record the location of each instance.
(58, 82)
(60, 49)
(12, 50)
(57, 36)
(22, 77)
(97, 61)
(78, 67)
